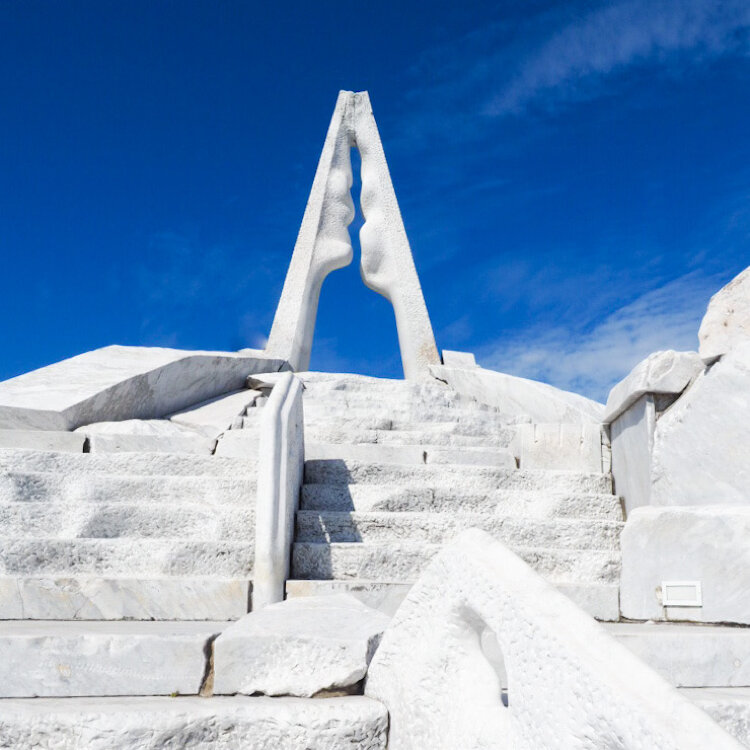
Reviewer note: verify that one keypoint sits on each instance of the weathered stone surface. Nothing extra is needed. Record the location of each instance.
(700, 454)
(632, 440)
(549, 648)
(42, 440)
(216, 415)
(122, 382)
(689, 655)
(101, 598)
(145, 436)
(706, 544)
(727, 319)
(298, 647)
(667, 372)
(103, 658)
(728, 707)
(459, 359)
(565, 447)
(354, 723)
(519, 397)
(242, 443)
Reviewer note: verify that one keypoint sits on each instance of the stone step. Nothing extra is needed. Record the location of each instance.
(404, 561)
(350, 424)
(507, 502)
(690, 655)
(373, 399)
(80, 487)
(728, 707)
(467, 478)
(42, 440)
(410, 454)
(600, 600)
(101, 598)
(162, 723)
(125, 464)
(212, 520)
(321, 411)
(335, 433)
(70, 659)
(125, 557)
(439, 528)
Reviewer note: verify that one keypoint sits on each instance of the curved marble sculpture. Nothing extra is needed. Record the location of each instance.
(324, 245)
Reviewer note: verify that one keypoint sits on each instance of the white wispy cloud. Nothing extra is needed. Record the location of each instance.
(623, 34)
(592, 361)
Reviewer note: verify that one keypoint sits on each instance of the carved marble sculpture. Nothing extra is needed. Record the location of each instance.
(323, 245)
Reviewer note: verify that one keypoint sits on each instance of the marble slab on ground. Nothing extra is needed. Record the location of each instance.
(42, 440)
(298, 647)
(123, 382)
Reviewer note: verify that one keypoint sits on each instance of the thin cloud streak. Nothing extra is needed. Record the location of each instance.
(591, 362)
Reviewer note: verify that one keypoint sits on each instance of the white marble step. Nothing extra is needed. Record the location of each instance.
(201, 519)
(366, 399)
(546, 503)
(404, 560)
(73, 486)
(411, 454)
(124, 464)
(728, 707)
(68, 659)
(42, 440)
(463, 478)
(121, 598)
(124, 556)
(219, 723)
(600, 600)
(443, 437)
(439, 528)
(690, 655)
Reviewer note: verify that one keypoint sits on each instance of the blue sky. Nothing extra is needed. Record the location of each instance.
(574, 176)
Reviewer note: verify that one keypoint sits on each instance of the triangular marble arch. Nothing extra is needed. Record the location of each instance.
(324, 245)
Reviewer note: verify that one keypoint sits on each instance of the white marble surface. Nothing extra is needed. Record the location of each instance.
(62, 659)
(298, 647)
(521, 398)
(565, 447)
(700, 454)
(707, 544)
(222, 723)
(668, 372)
(571, 686)
(727, 320)
(122, 382)
(216, 415)
(42, 440)
(458, 359)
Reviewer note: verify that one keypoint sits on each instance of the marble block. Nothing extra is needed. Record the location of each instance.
(727, 319)
(298, 647)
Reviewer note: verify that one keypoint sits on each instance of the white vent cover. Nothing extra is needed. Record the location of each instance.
(681, 594)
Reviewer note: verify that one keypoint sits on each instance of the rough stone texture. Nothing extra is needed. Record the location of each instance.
(216, 415)
(519, 397)
(242, 443)
(100, 598)
(122, 382)
(632, 440)
(298, 647)
(727, 319)
(323, 244)
(571, 686)
(701, 454)
(146, 436)
(667, 372)
(42, 440)
(689, 655)
(566, 447)
(459, 359)
(103, 658)
(708, 544)
(281, 459)
(728, 707)
(387, 265)
(354, 723)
